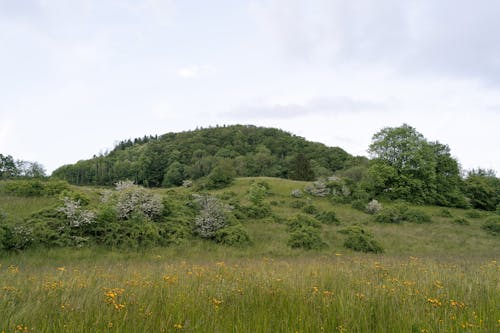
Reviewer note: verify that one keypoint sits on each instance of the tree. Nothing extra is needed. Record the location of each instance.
(482, 188)
(174, 175)
(407, 166)
(8, 168)
(301, 168)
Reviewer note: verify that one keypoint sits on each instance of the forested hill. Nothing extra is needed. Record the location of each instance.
(218, 152)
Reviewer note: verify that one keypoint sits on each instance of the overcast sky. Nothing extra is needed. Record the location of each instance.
(76, 76)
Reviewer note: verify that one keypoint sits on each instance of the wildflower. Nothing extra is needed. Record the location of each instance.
(178, 326)
(434, 302)
(61, 269)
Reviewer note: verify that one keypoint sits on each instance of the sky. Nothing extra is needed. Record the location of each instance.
(78, 76)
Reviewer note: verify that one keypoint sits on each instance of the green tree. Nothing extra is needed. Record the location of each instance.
(301, 168)
(8, 168)
(407, 166)
(482, 188)
(174, 175)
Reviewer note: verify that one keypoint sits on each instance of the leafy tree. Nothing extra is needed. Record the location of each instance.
(482, 188)
(301, 168)
(174, 175)
(407, 166)
(8, 168)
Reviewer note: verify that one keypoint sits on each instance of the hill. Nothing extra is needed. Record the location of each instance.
(255, 216)
(238, 150)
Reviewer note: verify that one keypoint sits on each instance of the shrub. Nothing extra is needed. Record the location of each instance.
(417, 216)
(373, 207)
(359, 205)
(256, 211)
(328, 217)
(492, 225)
(211, 217)
(232, 235)
(301, 220)
(445, 213)
(318, 189)
(296, 193)
(34, 187)
(401, 213)
(310, 209)
(473, 214)
(76, 216)
(297, 204)
(306, 237)
(361, 241)
(136, 200)
(461, 221)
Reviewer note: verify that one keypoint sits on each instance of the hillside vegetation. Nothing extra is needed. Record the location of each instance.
(237, 150)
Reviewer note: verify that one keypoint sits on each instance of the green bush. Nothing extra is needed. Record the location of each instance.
(310, 209)
(306, 237)
(417, 216)
(297, 204)
(361, 241)
(402, 213)
(301, 220)
(492, 225)
(233, 235)
(473, 214)
(359, 204)
(445, 213)
(256, 211)
(34, 187)
(328, 217)
(461, 221)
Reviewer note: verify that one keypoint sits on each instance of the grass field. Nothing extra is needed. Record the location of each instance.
(160, 291)
(435, 277)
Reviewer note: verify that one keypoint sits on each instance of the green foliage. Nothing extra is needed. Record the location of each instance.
(310, 209)
(359, 204)
(33, 187)
(300, 168)
(248, 150)
(461, 221)
(328, 217)
(361, 241)
(473, 214)
(221, 176)
(492, 225)
(482, 188)
(408, 167)
(234, 235)
(306, 237)
(301, 220)
(297, 204)
(443, 212)
(402, 213)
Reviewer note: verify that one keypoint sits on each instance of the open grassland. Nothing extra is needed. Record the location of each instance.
(440, 276)
(160, 291)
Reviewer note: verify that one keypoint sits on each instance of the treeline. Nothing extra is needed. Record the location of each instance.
(11, 168)
(216, 154)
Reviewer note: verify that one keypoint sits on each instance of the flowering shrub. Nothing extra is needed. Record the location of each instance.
(373, 207)
(132, 199)
(318, 189)
(212, 216)
(76, 216)
(296, 193)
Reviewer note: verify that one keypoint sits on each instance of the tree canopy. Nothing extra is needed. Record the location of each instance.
(407, 166)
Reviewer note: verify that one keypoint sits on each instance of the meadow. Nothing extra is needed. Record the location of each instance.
(160, 291)
(441, 276)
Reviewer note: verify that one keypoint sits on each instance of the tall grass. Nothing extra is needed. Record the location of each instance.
(92, 291)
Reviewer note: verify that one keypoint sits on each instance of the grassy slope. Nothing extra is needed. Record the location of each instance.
(438, 277)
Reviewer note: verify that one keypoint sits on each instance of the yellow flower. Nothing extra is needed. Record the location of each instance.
(178, 326)
(61, 269)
